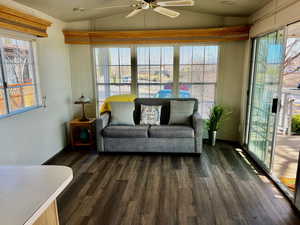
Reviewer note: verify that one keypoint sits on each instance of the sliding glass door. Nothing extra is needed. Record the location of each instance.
(265, 82)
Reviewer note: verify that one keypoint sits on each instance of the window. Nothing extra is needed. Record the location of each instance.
(198, 75)
(155, 71)
(18, 83)
(149, 70)
(113, 71)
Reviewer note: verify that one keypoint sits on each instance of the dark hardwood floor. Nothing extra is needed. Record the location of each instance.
(219, 187)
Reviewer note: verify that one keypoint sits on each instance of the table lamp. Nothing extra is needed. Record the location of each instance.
(83, 100)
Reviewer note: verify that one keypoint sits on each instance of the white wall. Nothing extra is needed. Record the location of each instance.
(229, 87)
(82, 77)
(35, 136)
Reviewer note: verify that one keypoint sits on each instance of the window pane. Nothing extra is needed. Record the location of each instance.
(205, 108)
(154, 74)
(167, 55)
(155, 67)
(198, 54)
(210, 73)
(143, 74)
(105, 91)
(211, 54)
(144, 91)
(204, 93)
(29, 95)
(114, 74)
(2, 102)
(155, 55)
(113, 56)
(154, 91)
(16, 101)
(125, 74)
(19, 70)
(2, 97)
(124, 89)
(185, 73)
(166, 91)
(209, 93)
(186, 53)
(125, 56)
(167, 74)
(21, 96)
(10, 50)
(197, 73)
(102, 74)
(143, 56)
(102, 56)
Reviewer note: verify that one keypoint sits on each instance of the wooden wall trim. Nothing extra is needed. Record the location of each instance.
(15, 20)
(158, 36)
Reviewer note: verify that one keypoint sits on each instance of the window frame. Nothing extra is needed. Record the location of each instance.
(35, 73)
(134, 66)
(215, 84)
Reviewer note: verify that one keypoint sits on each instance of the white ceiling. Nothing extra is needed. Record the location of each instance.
(62, 9)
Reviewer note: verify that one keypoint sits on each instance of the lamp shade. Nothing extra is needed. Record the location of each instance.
(83, 100)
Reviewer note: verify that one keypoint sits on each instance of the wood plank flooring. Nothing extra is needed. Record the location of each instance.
(219, 187)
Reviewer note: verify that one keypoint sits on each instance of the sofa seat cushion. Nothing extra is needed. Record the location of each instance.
(138, 131)
(168, 131)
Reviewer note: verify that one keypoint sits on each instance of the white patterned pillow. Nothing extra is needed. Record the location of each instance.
(150, 114)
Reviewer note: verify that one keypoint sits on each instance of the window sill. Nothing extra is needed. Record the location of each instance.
(21, 111)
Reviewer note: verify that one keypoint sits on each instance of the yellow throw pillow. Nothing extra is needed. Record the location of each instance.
(105, 107)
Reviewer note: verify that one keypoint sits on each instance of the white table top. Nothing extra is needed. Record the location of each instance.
(27, 191)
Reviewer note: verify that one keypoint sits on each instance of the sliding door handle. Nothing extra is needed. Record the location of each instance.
(274, 105)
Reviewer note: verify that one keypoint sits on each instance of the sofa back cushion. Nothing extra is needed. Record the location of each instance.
(122, 113)
(181, 112)
(165, 107)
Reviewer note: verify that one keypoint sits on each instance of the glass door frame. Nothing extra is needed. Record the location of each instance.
(250, 98)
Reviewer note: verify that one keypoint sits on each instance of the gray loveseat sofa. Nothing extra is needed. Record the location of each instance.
(145, 138)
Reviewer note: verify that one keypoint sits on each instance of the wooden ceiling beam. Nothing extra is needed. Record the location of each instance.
(158, 36)
(15, 20)
(25, 16)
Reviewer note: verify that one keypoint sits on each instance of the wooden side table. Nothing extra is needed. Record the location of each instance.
(82, 133)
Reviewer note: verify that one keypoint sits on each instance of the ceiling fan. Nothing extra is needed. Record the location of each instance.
(141, 5)
(159, 7)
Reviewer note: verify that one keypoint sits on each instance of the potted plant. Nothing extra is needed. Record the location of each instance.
(217, 116)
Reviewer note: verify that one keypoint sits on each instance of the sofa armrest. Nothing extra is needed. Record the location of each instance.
(101, 123)
(197, 121)
(103, 120)
(198, 125)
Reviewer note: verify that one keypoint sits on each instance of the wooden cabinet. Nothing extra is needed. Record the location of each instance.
(49, 217)
(82, 133)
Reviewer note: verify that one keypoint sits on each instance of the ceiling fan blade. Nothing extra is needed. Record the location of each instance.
(176, 3)
(134, 12)
(166, 12)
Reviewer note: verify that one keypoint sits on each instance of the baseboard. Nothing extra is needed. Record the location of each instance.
(152, 153)
(56, 155)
